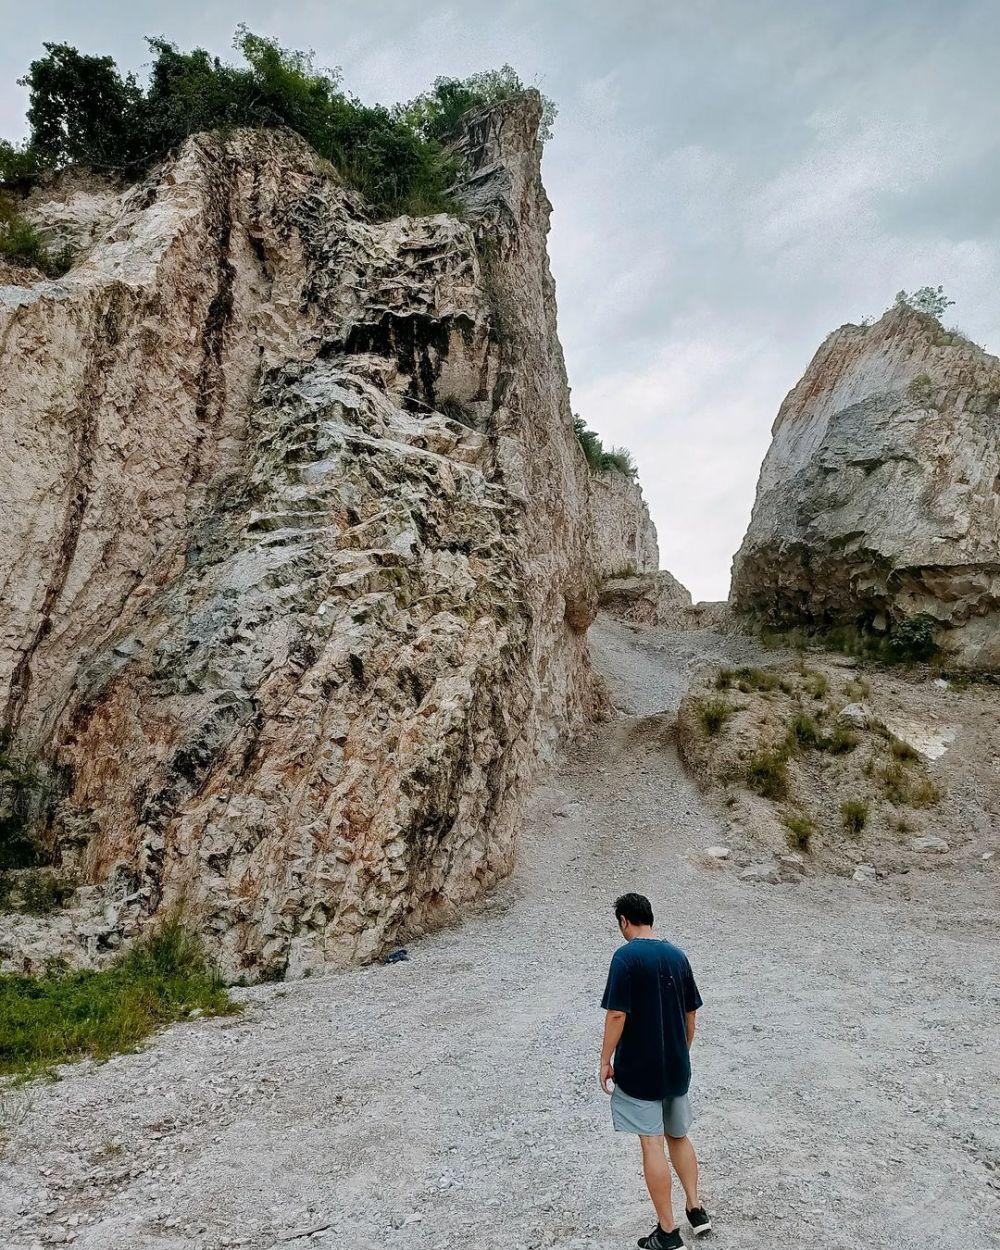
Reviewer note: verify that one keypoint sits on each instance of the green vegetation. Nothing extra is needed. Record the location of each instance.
(909, 786)
(853, 815)
(618, 459)
(713, 714)
(902, 750)
(67, 1015)
(437, 113)
(928, 299)
(82, 110)
(23, 795)
(800, 830)
(906, 642)
(805, 732)
(767, 774)
(747, 679)
(34, 891)
(841, 740)
(20, 242)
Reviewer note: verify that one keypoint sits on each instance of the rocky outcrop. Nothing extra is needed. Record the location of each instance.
(656, 598)
(623, 535)
(879, 499)
(295, 549)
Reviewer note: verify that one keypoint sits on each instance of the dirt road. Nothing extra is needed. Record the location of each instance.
(846, 1066)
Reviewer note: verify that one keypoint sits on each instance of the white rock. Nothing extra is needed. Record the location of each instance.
(865, 872)
(927, 842)
(854, 714)
(717, 852)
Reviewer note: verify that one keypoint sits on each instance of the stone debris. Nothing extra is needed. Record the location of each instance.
(768, 872)
(927, 843)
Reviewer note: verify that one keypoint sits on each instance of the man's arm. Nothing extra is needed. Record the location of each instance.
(689, 1022)
(614, 1022)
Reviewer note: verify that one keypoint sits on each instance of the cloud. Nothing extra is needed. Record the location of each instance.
(730, 181)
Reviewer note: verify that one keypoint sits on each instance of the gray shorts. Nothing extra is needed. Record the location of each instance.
(650, 1119)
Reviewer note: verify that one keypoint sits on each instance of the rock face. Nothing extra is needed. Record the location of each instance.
(623, 534)
(879, 498)
(649, 599)
(295, 548)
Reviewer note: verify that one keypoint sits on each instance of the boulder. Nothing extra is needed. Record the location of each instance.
(878, 498)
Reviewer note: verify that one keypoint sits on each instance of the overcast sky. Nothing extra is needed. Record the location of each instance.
(731, 180)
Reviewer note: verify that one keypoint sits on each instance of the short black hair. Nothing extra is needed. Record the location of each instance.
(635, 908)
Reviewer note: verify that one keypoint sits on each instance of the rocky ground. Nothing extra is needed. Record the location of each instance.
(845, 1069)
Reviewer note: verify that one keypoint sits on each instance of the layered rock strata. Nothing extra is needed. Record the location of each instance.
(296, 549)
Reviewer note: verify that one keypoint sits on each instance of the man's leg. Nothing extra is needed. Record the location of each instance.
(685, 1162)
(656, 1170)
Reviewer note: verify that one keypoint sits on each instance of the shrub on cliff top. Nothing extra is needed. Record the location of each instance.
(82, 110)
(618, 459)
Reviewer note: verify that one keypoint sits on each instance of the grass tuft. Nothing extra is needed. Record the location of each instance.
(800, 830)
(854, 815)
(713, 714)
(767, 774)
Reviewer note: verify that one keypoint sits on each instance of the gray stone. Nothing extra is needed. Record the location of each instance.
(768, 873)
(926, 843)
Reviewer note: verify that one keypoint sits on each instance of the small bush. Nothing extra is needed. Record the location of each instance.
(713, 714)
(617, 460)
(21, 244)
(767, 774)
(762, 679)
(912, 640)
(840, 741)
(816, 684)
(724, 679)
(804, 731)
(854, 815)
(902, 750)
(34, 892)
(66, 1015)
(800, 830)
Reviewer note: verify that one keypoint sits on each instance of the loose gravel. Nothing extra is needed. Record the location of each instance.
(845, 1089)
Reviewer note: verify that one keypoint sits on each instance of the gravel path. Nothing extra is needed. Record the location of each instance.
(846, 1087)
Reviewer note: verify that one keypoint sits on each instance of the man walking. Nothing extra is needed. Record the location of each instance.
(650, 1000)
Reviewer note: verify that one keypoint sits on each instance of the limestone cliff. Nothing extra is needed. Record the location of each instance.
(295, 548)
(623, 534)
(879, 499)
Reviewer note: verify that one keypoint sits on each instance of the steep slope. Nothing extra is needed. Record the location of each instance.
(879, 498)
(295, 551)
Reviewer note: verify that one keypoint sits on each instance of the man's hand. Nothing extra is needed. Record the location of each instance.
(614, 1023)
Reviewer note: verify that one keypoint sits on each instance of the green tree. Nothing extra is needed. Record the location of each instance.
(928, 299)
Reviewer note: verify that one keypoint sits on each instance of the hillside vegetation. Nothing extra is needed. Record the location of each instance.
(84, 111)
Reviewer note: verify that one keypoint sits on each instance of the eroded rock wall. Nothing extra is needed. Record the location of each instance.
(295, 549)
(623, 534)
(879, 498)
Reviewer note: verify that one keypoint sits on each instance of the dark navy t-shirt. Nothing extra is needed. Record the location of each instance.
(651, 981)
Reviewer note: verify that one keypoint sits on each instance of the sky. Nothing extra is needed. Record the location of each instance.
(731, 180)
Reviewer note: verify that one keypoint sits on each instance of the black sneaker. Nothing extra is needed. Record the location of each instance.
(659, 1240)
(699, 1221)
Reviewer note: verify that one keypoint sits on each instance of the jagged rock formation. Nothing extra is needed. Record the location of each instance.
(879, 498)
(623, 533)
(295, 559)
